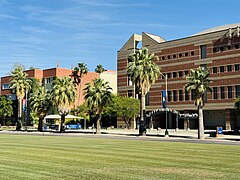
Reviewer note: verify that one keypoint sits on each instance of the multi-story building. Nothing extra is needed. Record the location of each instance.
(217, 49)
(47, 77)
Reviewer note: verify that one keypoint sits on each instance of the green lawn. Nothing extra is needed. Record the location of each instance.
(57, 157)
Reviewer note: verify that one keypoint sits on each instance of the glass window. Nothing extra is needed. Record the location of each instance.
(215, 93)
(130, 93)
(163, 76)
(169, 75)
(180, 95)
(169, 96)
(147, 99)
(174, 95)
(180, 74)
(237, 90)
(186, 95)
(192, 94)
(222, 69)
(230, 93)
(222, 92)
(229, 68)
(186, 72)
(237, 67)
(203, 51)
(130, 81)
(5, 86)
(174, 74)
(214, 69)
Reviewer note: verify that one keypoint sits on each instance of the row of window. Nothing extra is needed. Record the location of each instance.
(223, 48)
(180, 55)
(228, 68)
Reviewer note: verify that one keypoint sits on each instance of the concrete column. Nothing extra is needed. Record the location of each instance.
(185, 123)
(176, 122)
(188, 124)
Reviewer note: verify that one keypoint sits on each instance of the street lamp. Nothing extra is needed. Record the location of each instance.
(165, 101)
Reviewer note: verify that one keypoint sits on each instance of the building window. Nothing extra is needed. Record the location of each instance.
(222, 69)
(130, 81)
(230, 93)
(186, 72)
(169, 96)
(203, 49)
(229, 68)
(192, 53)
(193, 94)
(204, 66)
(169, 75)
(229, 47)
(174, 56)
(130, 93)
(174, 74)
(215, 93)
(163, 76)
(5, 86)
(169, 57)
(180, 55)
(222, 92)
(48, 80)
(237, 67)
(237, 90)
(174, 95)
(180, 74)
(163, 58)
(236, 46)
(214, 50)
(214, 69)
(180, 95)
(186, 95)
(186, 54)
(147, 99)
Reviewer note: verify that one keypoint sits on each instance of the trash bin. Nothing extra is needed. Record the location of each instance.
(219, 131)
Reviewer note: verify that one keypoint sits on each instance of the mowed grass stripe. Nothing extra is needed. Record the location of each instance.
(58, 157)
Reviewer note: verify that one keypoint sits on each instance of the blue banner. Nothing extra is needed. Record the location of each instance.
(164, 99)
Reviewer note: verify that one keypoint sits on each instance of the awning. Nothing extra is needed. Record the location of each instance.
(57, 116)
(164, 110)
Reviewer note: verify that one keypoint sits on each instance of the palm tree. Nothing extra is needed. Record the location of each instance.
(63, 95)
(19, 85)
(97, 97)
(40, 104)
(143, 72)
(198, 82)
(99, 69)
(77, 75)
(237, 104)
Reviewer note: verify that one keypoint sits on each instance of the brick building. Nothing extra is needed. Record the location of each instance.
(217, 48)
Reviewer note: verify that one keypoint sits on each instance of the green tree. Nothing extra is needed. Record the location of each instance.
(100, 69)
(40, 104)
(237, 104)
(127, 108)
(77, 75)
(19, 85)
(6, 109)
(63, 96)
(97, 97)
(143, 72)
(198, 83)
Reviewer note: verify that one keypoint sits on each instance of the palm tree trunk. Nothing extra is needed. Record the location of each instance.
(200, 123)
(98, 129)
(79, 91)
(142, 128)
(40, 124)
(61, 124)
(19, 119)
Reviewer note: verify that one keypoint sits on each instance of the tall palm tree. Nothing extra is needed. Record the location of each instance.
(143, 72)
(63, 96)
(19, 85)
(40, 104)
(97, 97)
(198, 82)
(99, 69)
(77, 75)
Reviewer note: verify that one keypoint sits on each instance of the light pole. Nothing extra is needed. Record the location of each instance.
(166, 131)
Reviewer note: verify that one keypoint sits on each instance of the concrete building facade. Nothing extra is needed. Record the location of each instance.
(217, 49)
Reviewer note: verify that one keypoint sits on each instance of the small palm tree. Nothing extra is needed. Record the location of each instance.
(237, 104)
(19, 85)
(97, 96)
(77, 75)
(198, 81)
(63, 95)
(100, 69)
(143, 72)
(40, 104)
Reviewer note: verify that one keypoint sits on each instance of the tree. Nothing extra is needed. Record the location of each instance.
(6, 109)
(63, 96)
(198, 83)
(19, 85)
(40, 104)
(99, 69)
(237, 104)
(143, 71)
(127, 108)
(97, 96)
(77, 75)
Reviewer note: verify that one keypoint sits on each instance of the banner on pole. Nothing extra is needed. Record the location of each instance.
(164, 99)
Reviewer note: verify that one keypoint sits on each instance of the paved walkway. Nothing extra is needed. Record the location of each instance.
(152, 135)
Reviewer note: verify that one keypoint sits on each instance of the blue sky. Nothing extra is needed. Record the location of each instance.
(40, 33)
